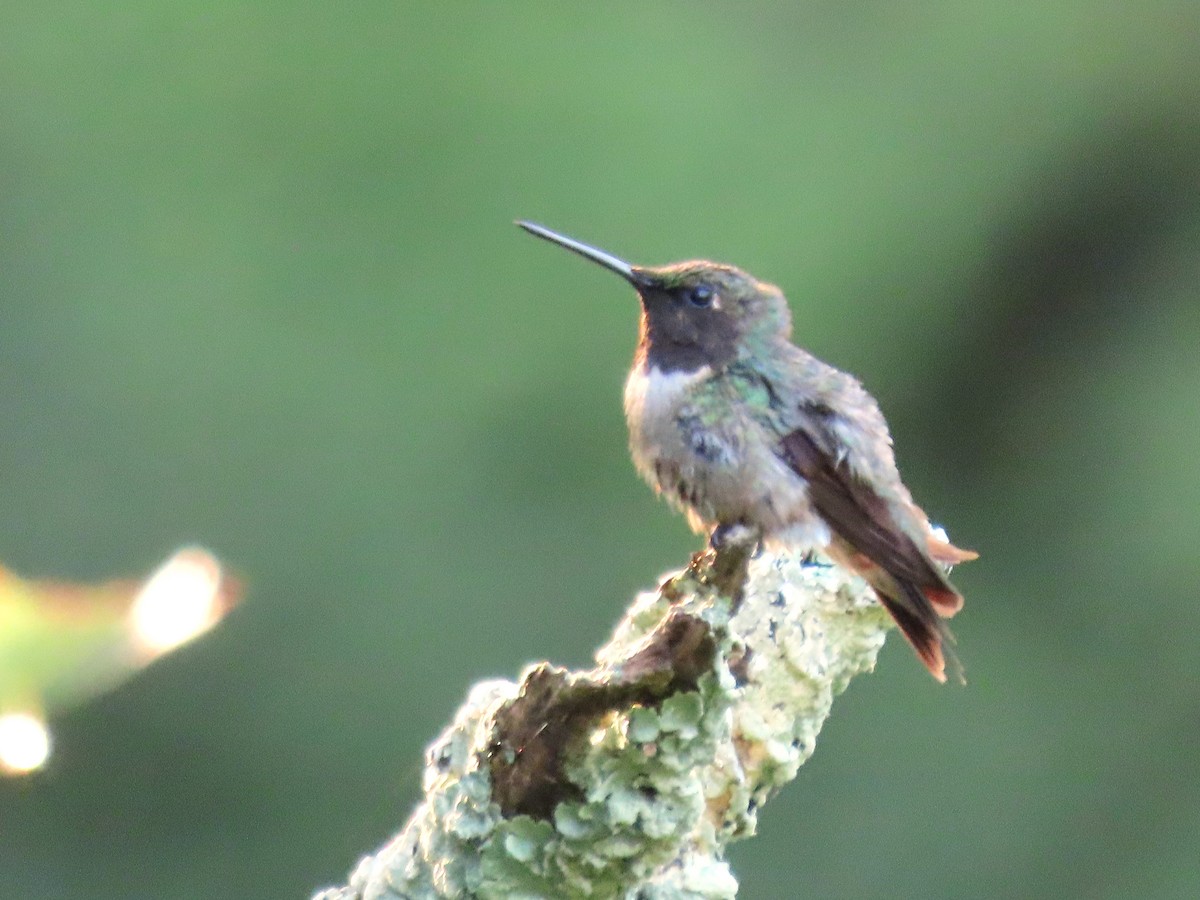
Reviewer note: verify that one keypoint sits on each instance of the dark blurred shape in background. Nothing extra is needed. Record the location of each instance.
(261, 291)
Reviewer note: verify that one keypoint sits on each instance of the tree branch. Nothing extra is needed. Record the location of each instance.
(630, 779)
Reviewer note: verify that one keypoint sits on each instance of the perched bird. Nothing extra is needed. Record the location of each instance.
(736, 425)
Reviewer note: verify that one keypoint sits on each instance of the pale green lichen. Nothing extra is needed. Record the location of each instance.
(663, 787)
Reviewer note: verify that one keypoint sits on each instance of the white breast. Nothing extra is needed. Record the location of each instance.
(731, 473)
(653, 402)
(652, 395)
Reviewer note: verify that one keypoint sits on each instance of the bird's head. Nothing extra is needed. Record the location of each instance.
(694, 314)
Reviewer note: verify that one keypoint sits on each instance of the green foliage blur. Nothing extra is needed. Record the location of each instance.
(260, 290)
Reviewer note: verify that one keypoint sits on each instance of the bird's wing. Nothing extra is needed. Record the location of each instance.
(868, 539)
(855, 511)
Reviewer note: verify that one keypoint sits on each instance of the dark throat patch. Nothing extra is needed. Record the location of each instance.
(678, 337)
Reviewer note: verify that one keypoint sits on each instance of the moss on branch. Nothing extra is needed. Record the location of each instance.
(629, 780)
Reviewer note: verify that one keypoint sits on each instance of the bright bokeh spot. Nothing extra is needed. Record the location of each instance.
(178, 602)
(24, 743)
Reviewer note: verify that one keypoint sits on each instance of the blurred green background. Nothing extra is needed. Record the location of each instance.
(260, 289)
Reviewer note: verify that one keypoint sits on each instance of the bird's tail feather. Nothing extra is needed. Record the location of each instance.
(946, 553)
(945, 600)
(918, 612)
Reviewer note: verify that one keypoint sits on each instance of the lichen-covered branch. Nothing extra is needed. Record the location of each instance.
(630, 779)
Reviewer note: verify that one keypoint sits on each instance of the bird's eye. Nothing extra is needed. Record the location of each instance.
(700, 296)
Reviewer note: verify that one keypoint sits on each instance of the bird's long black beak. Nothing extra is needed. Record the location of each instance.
(630, 273)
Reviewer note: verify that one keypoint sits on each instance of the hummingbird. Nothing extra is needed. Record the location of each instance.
(737, 426)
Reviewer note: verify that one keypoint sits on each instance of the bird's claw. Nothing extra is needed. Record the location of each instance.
(728, 535)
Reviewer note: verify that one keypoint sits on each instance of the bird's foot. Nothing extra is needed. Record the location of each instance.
(729, 535)
(733, 544)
